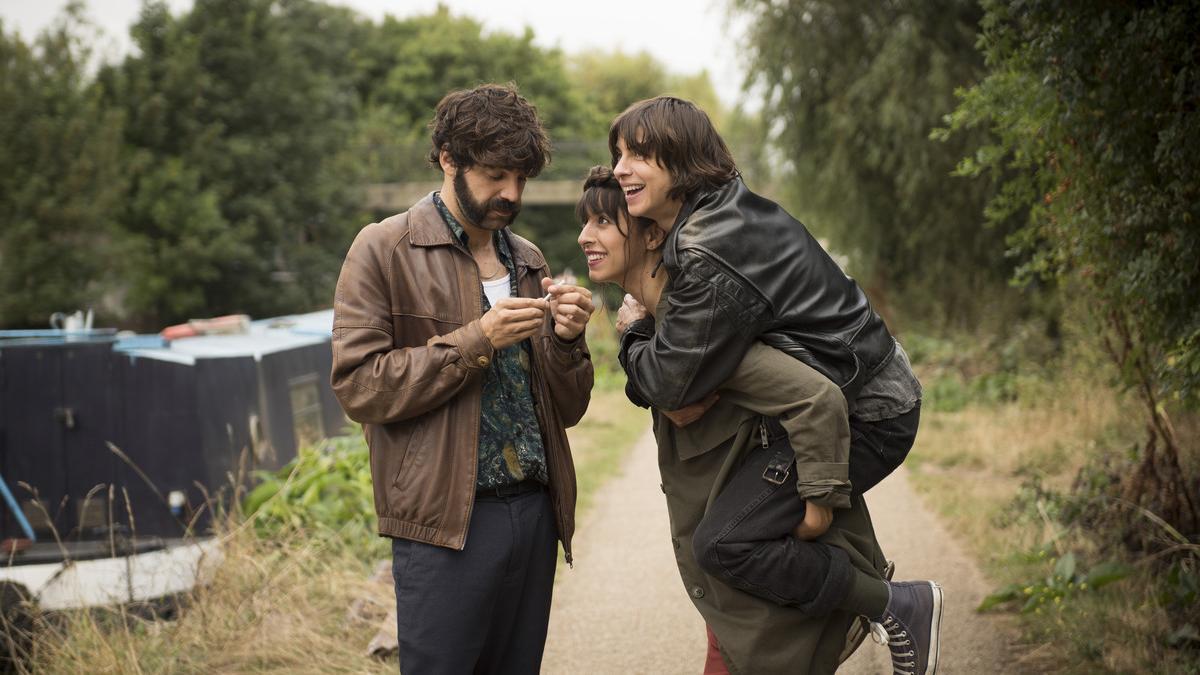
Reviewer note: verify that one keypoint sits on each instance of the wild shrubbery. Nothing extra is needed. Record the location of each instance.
(326, 492)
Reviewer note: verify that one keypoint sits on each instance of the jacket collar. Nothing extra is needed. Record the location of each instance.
(428, 229)
(696, 201)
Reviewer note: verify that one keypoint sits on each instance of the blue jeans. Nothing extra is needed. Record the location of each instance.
(878, 448)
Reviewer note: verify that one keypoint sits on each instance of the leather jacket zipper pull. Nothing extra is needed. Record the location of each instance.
(762, 430)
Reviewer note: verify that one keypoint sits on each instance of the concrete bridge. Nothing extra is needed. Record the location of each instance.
(400, 174)
(395, 197)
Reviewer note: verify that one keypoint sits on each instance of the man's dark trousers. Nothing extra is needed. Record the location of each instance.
(484, 609)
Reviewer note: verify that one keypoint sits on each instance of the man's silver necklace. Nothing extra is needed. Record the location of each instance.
(494, 273)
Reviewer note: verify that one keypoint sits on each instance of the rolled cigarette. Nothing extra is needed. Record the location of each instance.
(564, 278)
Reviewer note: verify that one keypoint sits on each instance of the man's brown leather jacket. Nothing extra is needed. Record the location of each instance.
(408, 362)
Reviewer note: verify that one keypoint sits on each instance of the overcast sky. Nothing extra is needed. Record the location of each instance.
(687, 36)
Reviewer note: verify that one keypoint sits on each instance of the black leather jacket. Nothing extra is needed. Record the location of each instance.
(742, 269)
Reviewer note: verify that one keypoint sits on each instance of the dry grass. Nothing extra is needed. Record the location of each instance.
(273, 607)
(971, 464)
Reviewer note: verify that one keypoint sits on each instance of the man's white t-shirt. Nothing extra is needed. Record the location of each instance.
(496, 289)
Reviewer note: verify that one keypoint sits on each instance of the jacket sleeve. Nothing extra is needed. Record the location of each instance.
(569, 374)
(710, 320)
(375, 381)
(811, 409)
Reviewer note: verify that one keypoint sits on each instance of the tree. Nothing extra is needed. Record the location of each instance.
(240, 117)
(1094, 108)
(609, 82)
(220, 164)
(854, 90)
(60, 177)
(408, 65)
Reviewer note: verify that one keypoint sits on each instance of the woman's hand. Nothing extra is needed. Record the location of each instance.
(570, 305)
(631, 310)
(690, 413)
(817, 520)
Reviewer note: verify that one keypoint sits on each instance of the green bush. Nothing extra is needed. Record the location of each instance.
(324, 492)
(1063, 583)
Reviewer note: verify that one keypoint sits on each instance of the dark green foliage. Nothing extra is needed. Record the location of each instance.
(1063, 582)
(555, 231)
(60, 177)
(856, 88)
(1094, 106)
(1060, 585)
(324, 492)
(240, 115)
(219, 167)
(408, 65)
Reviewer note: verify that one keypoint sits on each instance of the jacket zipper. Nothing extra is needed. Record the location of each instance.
(539, 382)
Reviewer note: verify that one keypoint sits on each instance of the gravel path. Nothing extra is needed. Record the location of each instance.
(622, 609)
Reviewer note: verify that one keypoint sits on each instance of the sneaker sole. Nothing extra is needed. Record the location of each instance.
(935, 629)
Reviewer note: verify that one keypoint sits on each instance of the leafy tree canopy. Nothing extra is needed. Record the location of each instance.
(239, 113)
(221, 163)
(1094, 111)
(853, 90)
(60, 181)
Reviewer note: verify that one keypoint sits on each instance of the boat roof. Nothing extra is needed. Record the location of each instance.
(266, 336)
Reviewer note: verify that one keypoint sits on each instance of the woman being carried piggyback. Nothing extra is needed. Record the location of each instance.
(776, 553)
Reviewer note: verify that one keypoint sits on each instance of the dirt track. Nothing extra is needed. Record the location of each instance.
(622, 609)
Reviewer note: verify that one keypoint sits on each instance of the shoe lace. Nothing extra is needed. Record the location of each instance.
(892, 633)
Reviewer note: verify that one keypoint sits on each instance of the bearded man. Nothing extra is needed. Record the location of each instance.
(465, 364)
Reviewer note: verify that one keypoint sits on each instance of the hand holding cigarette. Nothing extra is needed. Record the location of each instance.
(511, 320)
(570, 306)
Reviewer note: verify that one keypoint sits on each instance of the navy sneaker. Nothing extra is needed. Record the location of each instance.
(911, 625)
(861, 625)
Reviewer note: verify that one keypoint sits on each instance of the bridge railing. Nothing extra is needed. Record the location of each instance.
(398, 174)
(407, 161)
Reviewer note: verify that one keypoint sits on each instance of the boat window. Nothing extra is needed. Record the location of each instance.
(306, 409)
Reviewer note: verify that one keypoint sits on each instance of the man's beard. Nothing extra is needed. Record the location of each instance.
(476, 212)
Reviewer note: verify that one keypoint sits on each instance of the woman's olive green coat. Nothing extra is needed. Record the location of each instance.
(757, 636)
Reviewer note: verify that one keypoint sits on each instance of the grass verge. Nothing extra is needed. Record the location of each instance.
(1006, 473)
(602, 439)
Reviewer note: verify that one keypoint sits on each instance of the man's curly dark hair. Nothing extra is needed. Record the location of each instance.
(490, 125)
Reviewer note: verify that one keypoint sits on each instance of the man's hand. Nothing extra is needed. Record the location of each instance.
(631, 310)
(511, 320)
(817, 520)
(690, 413)
(570, 306)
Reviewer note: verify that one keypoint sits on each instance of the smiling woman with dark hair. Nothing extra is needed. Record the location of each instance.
(742, 272)
(731, 556)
